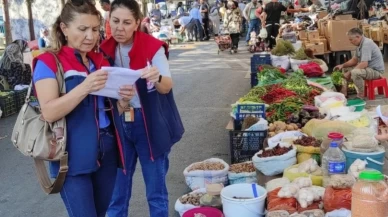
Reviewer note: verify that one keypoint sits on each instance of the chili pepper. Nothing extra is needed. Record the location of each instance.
(275, 95)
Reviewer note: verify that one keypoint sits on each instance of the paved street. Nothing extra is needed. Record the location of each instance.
(205, 86)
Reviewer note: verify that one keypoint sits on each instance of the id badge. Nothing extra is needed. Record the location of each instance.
(129, 115)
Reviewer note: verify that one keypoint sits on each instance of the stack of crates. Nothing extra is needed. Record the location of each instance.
(8, 104)
(244, 144)
(20, 97)
(256, 61)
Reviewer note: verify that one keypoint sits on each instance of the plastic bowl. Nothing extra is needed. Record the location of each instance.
(359, 104)
(207, 211)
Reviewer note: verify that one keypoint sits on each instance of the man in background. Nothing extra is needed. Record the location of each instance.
(105, 4)
(196, 15)
(204, 9)
(253, 21)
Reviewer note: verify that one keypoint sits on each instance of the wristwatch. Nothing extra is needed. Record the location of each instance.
(160, 78)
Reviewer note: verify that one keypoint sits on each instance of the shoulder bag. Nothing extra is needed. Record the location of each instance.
(41, 140)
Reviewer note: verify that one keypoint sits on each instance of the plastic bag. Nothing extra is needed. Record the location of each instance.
(182, 208)
(305, 197)
(275, 165)
(263, 33)
(316, 205)
(337, 199)
(296, 63)
(339, 213)
(199, 178)
(289, 190)
(292, 173)
(341, 181)
(321, 131)
(280, 61)
(308, 166)
(311, 124)
(276, 203)
(276, 183)
(329, 100)
(243, 177)
(311, 69)
(314, 213)
(284, 137)
(303, 182)
(279, 213)
(357, 167)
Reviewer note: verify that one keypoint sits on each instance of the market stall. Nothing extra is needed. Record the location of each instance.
(297, 148)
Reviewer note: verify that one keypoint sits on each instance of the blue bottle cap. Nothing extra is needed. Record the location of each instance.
(333, 145)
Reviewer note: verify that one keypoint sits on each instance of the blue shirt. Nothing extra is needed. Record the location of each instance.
(42, 71)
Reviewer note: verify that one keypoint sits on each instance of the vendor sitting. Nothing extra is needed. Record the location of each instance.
(368, 64)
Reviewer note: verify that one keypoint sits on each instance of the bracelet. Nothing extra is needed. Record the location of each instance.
(122, 107)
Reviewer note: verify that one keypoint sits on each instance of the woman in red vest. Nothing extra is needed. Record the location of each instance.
(152, 123)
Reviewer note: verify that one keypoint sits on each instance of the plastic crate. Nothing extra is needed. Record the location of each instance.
(20, 97)
(243, 111)
(244, 144)
(254, 80)
(8, 104)
(259, 59)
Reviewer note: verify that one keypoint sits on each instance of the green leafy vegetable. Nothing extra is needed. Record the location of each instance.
(337, 78)
(283, 48)
(300, 55)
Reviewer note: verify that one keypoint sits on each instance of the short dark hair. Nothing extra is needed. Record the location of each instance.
(131, 5)
(355, 31)
(104, 1)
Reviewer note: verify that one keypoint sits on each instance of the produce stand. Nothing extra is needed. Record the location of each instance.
(286, 143)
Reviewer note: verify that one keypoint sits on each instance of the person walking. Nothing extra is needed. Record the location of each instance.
(270, 19)
(232, 22)
(180, 10)
(94, 134)
(215, 19)
(253, 21)
(196, 15)
(152, 123)
(204, 9)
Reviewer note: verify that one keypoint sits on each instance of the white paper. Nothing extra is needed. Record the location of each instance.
(117, 77)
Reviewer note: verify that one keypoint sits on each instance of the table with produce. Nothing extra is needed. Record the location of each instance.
(297, 148)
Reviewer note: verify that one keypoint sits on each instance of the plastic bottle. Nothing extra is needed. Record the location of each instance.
(370, 195)
(333, 162)
(332, 137)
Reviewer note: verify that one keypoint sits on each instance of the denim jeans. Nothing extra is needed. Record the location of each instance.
(154, 172)
(198, 30)
(254, 25)
(88, 195)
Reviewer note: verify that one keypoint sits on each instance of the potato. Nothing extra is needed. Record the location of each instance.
(271, 134)
(272, 128)
(290, 127)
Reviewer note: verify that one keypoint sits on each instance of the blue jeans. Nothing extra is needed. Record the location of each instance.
(254, 25)
(198, 30)
(154, 172)
(88, 195)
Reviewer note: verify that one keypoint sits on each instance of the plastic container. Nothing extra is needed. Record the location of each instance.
(370, 195)
(206, 211)
(333, 162)
(245, 200)
(375, 159)
(212, 197)
(244, 144)
(359, 104)
(332, 137)
(259, 59)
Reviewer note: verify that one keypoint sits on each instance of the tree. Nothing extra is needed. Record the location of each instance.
(30, 19)
(7, 24)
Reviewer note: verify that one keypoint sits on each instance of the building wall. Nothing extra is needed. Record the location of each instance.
(44, 13)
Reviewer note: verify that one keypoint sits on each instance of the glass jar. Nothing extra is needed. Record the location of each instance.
(332, 137)
(212, 197)
(370, 195)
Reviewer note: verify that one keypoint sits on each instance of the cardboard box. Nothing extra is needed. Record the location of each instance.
(325, 27)
(337, 34)
(313, 36)
(344, 17)
(322, 14)
(302, 35)
(376, 34)
(317, 47)
(324, 41)
(366, 30)
(385, 36)
(321, 27)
